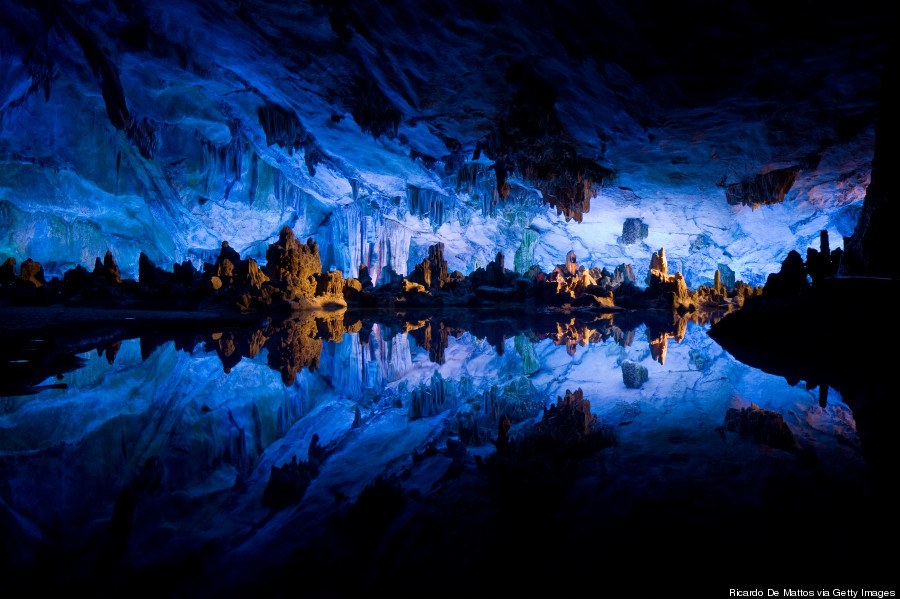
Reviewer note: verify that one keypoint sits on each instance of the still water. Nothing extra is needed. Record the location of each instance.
(145, 464)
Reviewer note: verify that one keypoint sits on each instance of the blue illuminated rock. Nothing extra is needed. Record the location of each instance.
(323, 120)
(633, 374)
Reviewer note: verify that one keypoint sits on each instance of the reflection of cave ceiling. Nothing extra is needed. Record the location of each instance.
(733, 131)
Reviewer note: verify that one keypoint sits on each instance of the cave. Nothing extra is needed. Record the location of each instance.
(428, 299)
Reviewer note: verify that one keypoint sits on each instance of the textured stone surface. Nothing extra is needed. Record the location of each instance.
(633, 374)
(32, 272)
(293, 264)
(764, 426)
(167, 128)
(634, 230)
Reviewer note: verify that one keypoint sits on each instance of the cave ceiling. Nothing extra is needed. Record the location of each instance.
(735, 131)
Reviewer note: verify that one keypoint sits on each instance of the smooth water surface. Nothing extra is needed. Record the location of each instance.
(152, 463)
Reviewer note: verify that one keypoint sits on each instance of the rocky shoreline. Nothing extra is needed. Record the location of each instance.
(292, 281)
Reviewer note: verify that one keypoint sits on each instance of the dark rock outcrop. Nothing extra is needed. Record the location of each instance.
(32, 272)
(8, 271)
(765, 426)
(871, 249)
(288, 483)
(633, 374)
(109, 270)
(763, 189)
(790, 280)
(633, 231)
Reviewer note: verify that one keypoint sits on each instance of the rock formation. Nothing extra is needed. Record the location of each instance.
(109, 270)
(633, 374)
(764, 426)
(571, 263)
(633, 231)
(790, 280)
(288, 483)
(8, 271)
(431, 273)
(292, 264)
(31, 272)
(671, 290)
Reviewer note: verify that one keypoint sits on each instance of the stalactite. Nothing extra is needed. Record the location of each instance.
(524, 256)
(430, 204)
(346, 237)
(393, 249)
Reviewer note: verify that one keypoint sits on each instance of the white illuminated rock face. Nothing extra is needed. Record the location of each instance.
(378, 143)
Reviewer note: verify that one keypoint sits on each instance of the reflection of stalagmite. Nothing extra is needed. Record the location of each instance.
(578, 332)
(434, 338)
(658, 348)
(659, 339)
(658, 262)
(226, 349)
(571, 263)
(294, 347)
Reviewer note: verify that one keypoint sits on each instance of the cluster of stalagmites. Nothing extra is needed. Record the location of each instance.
(288, 483)
(567, 432)
(797, 277)
(765, 426)
(568, 286)
(292, 280)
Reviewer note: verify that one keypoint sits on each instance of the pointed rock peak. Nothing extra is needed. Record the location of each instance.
(285, 236)
(658, 261)
(571, 262)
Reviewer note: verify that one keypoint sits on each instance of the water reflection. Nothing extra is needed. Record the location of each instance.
(296, 344)
(164, 445)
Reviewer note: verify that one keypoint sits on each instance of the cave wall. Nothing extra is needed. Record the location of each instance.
(169, 128)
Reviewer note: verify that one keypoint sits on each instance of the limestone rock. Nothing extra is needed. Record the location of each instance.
(227, 253)
(658, 261)
(823, 263)
(107, 269)
(494, 272)
(633, 374)
(249, 274)
(75, 279)
(330, 284)
(8, 271)
(32, 272)
(571, 262)
(790, 280)
(149, 273)
(431, 273)
(438, 265)
(389, 276)
(292, 264)
(288, 483)
(409, 287)
(764, 188)
(765, 426)
(364, 278)
(624, 273)
(633, 231)
(352, 288)
(185, 273)
(225, 270)
(421, 274)
(111, 269)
